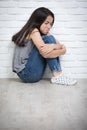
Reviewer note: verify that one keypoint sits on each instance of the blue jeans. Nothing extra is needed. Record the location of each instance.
(36, 64)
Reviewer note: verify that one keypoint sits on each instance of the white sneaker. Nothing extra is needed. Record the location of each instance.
(63, 80)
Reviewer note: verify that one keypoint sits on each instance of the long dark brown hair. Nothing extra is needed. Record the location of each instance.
(35, 21)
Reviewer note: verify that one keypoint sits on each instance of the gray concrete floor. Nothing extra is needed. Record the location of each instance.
(42, 105)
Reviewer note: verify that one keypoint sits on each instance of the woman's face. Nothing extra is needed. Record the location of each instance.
(46, 25)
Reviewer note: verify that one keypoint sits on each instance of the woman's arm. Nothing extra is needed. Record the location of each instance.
(54, 53)
(58, 49)
(36, 38)
(39, 43)
(46, 50)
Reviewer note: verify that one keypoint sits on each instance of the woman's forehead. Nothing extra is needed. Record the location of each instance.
(49, 18)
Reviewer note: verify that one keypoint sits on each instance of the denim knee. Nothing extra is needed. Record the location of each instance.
(49, 39)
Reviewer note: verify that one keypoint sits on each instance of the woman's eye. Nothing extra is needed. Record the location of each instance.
(46, 23)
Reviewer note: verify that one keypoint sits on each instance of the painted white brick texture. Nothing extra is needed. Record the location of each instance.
(70, 28)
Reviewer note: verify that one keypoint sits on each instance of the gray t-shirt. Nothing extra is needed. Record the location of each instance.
(21, 55)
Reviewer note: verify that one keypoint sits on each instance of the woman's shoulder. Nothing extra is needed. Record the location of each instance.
(35, 34)
(35, 30)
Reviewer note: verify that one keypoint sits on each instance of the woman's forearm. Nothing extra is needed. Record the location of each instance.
(55, 53)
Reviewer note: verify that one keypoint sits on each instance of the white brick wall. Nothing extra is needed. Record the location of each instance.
(70, 28)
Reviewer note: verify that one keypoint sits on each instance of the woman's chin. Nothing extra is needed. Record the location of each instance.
(46, 33)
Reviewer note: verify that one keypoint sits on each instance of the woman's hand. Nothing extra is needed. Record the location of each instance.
(59, 46)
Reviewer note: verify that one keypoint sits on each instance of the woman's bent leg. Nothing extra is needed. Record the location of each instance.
(34, 68)
(54, 63)
(55, 67)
